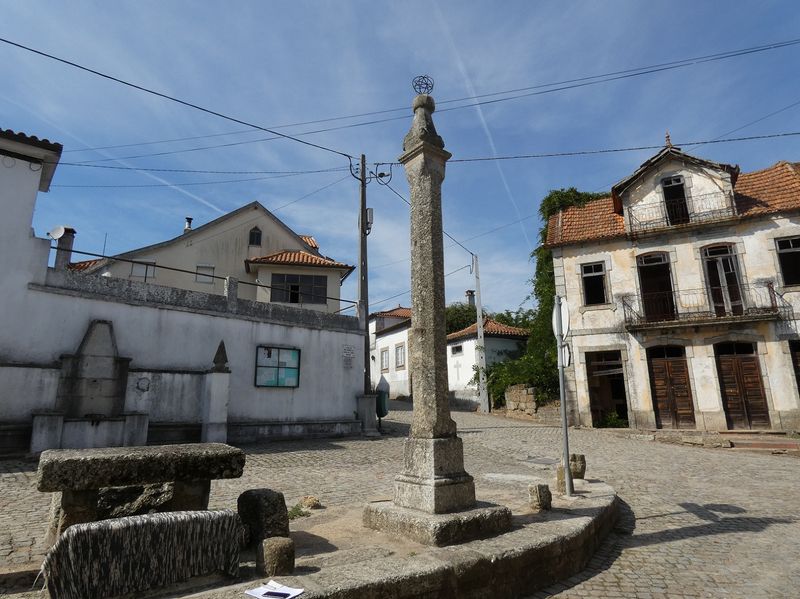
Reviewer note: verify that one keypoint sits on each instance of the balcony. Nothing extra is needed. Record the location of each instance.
(670, 214)
(696, 307)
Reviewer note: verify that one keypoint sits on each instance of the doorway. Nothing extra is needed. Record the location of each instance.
(741, 386)
(608, 400)
(675, 200)
(669, 382)
(655, 281)
(722, 276)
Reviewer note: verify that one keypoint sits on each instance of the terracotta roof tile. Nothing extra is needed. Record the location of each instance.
(310, 241)
(31, 140)
(298, 258)
(84, 265)
(593, 220)
(768, 191)
(398, 312)
(491, 328)
(773, 189)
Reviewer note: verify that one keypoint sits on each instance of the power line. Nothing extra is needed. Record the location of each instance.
(185, 184)
(456, 241)
(208, 172)
(610, 76)
(172, 98)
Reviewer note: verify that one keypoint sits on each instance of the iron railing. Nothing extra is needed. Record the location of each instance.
(701, 208)
(704, 306)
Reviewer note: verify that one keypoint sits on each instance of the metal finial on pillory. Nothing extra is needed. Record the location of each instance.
(422, 84)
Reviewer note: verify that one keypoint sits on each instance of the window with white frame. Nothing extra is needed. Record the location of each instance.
(384, 359)
(400, 355)
(789, 259)
(277, 366)
(594, 283)
(145, 269)
(204, 274)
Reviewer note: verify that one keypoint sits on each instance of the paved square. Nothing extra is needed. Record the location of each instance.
(696, 522)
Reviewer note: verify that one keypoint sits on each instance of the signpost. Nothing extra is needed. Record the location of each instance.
(561, 329)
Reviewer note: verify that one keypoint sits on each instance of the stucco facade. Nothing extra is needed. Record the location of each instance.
(680, 311)
(168, 372)
(250, 244)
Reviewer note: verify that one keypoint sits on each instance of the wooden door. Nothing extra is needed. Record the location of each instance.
(743, 397)
(672, 394)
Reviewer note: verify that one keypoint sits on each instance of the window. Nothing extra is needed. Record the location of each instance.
(145, 270)
(277, 367)
(299, 289)
(594, 283)
(255, 236)
(675, 200)
(385, 359)
(204, 274)
(789, 258)
(400, 356)
(456, 350)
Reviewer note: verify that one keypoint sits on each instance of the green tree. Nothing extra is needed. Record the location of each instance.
(459, 316)
(538, 365)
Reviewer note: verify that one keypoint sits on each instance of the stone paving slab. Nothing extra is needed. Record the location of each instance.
(696, 522)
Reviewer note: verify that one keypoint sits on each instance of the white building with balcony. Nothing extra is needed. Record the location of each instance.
(682, 287)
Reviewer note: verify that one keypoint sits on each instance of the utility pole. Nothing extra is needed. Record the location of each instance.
(364, 225)
(480, 349)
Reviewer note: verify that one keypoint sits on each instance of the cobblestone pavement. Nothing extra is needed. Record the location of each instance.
(695, 522)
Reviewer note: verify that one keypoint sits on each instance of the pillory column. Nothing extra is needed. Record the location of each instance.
(433, 479)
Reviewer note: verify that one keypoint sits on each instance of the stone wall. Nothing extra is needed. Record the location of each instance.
(521, 401)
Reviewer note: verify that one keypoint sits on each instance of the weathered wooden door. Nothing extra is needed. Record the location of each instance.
(743, 397)
(672, 393)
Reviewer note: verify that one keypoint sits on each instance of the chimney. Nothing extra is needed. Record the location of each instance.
(64, 249)
(471, 297)
(188, 226)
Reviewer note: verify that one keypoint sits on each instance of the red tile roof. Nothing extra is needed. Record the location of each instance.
(491, 328)
(84, 265)
(768, 191)
(297, 258)
(398, 312)
(310, 241)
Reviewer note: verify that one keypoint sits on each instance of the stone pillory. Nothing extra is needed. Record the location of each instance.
(433, 481)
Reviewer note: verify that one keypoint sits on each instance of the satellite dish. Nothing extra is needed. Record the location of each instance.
(56, 233)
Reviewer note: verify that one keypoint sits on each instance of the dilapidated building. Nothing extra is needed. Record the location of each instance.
(682, 287)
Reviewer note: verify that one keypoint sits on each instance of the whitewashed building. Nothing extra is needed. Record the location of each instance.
(90, 360)
(389, 353)
(271, 262)
(683, 287)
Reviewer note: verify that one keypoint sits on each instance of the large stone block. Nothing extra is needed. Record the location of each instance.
(540, 497)
(127, 556)
(485, 520)
(275, 557)
(85, 469)
(264, 514)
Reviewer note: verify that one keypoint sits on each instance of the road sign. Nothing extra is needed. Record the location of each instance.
(564, 318)
(566, 355)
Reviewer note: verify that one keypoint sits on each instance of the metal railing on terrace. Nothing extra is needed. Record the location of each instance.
(696, 209)
(714, 305)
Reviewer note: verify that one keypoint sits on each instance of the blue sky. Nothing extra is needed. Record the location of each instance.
(278, 63)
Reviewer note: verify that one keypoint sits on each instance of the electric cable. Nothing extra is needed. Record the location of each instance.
(172, 98)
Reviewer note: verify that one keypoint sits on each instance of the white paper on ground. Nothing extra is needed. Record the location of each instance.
(273, 590)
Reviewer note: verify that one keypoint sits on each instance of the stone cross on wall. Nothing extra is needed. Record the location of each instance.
(433, 479)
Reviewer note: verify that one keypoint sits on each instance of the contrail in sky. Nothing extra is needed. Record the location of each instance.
(148, 174)
(484, 124)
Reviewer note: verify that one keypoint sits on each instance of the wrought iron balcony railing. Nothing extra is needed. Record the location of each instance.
(672, 213)
(691, 307)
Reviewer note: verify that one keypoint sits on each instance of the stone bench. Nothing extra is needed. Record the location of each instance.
(126, 556)
(80, 474)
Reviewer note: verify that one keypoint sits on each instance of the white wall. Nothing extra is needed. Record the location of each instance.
(395, 380)
(461, 367)
(43, 316)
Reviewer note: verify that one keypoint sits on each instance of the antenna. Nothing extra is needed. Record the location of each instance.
(57, 233)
